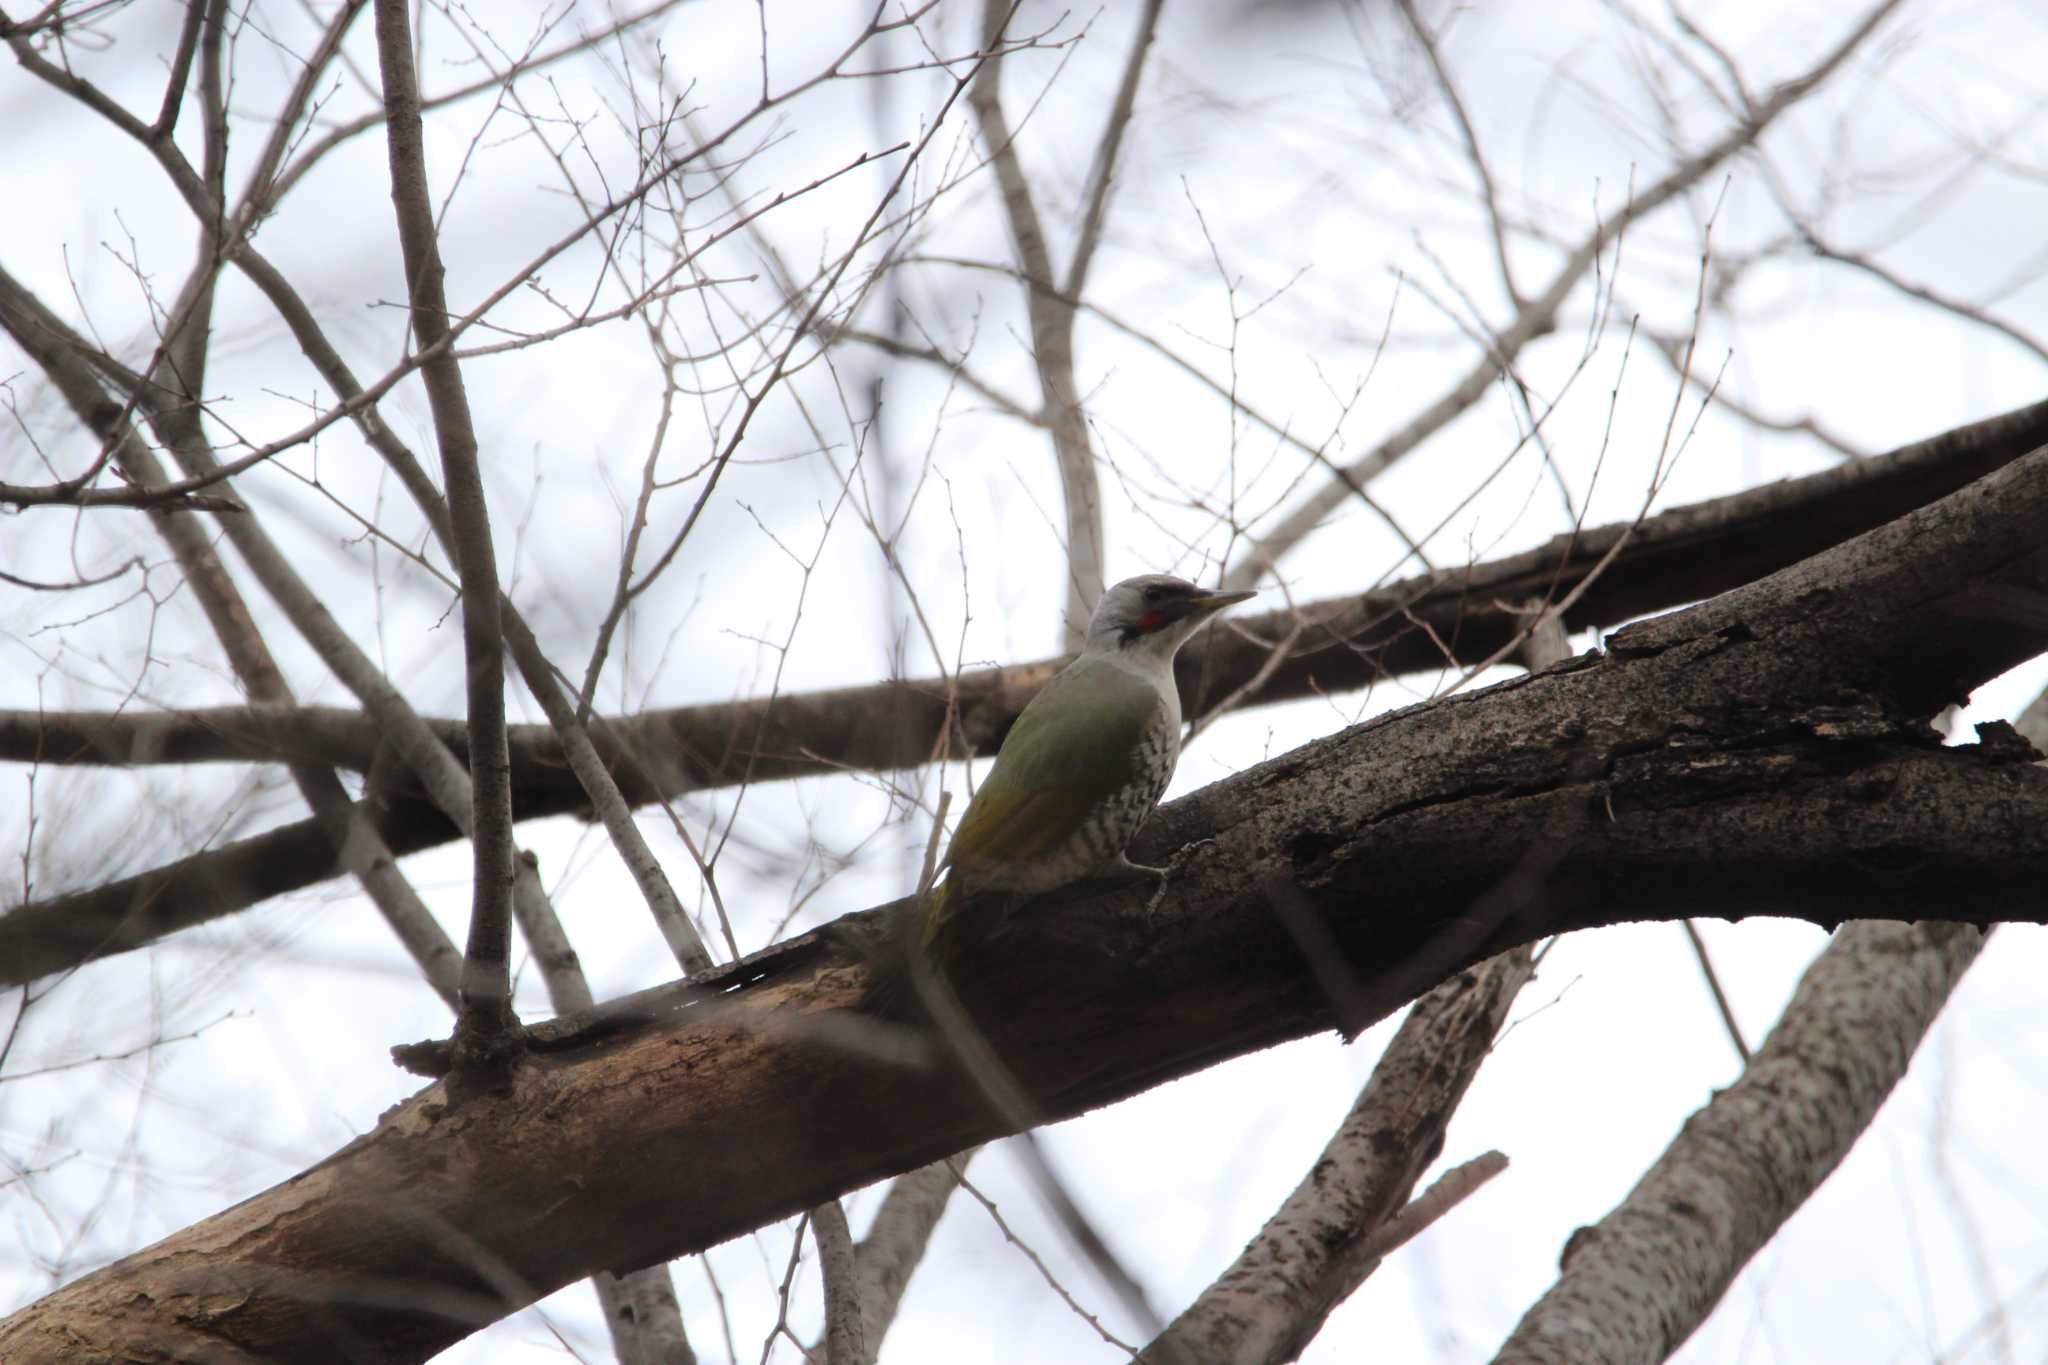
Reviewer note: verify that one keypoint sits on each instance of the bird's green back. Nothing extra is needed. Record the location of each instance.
(1073, 747)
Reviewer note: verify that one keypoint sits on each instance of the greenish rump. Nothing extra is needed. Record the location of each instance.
(1088, 758)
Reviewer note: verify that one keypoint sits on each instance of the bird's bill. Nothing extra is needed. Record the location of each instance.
(1217, 601)
(1198, 606)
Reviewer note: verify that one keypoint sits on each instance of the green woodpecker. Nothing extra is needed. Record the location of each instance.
(1086, 761)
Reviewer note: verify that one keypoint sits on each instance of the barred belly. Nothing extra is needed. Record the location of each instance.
(1102, 837)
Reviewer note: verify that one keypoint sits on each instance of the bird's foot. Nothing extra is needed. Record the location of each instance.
(1173, 864)
(1124, 872)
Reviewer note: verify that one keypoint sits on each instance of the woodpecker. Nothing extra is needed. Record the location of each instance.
(1088, 757)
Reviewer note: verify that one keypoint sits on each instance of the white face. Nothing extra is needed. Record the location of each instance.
(1153, 613)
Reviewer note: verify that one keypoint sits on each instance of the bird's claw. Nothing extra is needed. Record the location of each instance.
(1165, 874)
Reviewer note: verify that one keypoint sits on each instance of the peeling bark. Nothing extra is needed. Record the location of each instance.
(1765, 753)
(1682, 555)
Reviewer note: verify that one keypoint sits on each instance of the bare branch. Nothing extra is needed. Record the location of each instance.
(1123, 326)
(1445, 1193)
(1538, 316)
(1322, 1241)
(1045, 1273)
(1972, 313)
(1673, 350)
(343, 837)
(897, 1239)
(1102, 174)
(570, 740)
(486, 979)
(1713, 980)
(1489, 194)
(70, 494)
(931, 355)
(1636, 1284)
(265, 190)
(843, 1342)
(1052, 336)
(1676, 556)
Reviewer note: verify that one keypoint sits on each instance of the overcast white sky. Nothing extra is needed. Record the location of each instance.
(1289, 165)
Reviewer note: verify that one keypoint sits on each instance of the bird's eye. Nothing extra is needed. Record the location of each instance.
(1154, 593)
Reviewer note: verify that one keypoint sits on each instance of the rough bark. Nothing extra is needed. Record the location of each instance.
(1344, 643)
(1327, 1236)
(1764, 753)
(1317, 1246)
(844, 1344)
(1647, 1275)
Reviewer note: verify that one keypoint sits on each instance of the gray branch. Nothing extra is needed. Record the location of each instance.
(1765, 753)
(1636, 1284)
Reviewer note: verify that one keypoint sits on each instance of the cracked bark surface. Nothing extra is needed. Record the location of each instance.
(1768, 752)
(1638, 1283)
(1346, 643)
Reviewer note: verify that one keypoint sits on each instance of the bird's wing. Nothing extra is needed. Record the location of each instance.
(1056, 765)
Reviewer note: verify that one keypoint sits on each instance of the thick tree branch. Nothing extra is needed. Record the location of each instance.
(1646, 1276)
(1764, 753)
(1667, 560)
(1343, 643)
(1335, 1228)
(776, 1106)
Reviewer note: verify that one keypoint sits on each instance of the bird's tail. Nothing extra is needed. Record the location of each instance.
(934, 910)
(915, 948)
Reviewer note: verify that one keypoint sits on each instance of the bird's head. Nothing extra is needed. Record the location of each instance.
(1153, 614)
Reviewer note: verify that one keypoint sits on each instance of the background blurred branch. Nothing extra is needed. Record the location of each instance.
(1426, 623)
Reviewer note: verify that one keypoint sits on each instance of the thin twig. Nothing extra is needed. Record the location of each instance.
(1043, 1272)
(1538, 316)
(1713, 979)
